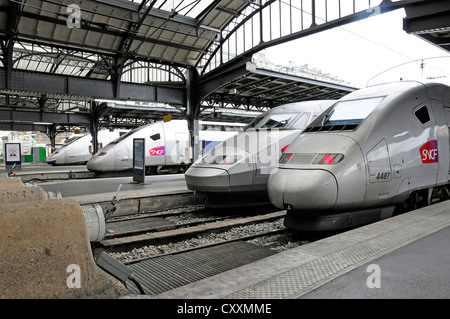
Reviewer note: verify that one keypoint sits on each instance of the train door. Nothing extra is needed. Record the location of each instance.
(447, 116)
(442, 119)
(155, 142)
(182, 147)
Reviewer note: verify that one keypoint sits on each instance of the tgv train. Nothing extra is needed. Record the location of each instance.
(167, 146)
(376, 152)
(79, 150)
(235, 173)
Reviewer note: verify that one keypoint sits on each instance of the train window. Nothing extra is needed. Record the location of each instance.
(254, 122)
(277, 120)
(301, 121)
(351, 112)
(124, 136)
(422, 115)
(155, 137)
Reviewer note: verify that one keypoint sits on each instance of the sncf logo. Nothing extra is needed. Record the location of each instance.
(429, 152)
(157, 151)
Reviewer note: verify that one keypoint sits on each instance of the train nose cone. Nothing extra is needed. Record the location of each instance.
(102, 161)
(51, 159)
(303, 189)
(205, 179)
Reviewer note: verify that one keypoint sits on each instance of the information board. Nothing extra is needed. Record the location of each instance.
(12, 155)
(138, 160)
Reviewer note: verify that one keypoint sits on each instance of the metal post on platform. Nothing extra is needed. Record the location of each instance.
(192, 111)
(138, 160)
(196, 139)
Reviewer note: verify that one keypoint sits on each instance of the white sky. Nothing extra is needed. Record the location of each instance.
(358, 52)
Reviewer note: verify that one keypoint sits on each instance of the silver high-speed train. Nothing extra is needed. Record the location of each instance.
(167, 146)
(78, 150)
(377, 151)
(235, 173)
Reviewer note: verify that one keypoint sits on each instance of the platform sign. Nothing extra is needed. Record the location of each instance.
(12, 155)
(138, 160)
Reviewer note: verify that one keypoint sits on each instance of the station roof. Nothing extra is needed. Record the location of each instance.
(49, 38)
(430, 21)
(266, 85)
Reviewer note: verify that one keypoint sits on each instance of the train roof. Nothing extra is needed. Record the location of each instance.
(353, 109)
(434, 90)
(222, 123)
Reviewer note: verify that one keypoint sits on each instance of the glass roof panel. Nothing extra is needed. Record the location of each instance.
(188, 8)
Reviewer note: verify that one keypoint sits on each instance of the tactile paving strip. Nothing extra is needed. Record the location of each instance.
(160, 274)
(301, 280)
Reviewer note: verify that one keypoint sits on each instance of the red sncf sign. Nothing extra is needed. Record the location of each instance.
(429, 152)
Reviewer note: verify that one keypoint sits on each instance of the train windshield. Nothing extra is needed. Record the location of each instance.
(72, 140)
(124, 136)
(351, 112)
(277, 120)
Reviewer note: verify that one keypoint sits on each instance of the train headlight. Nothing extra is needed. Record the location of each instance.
(311, 158)
(285, 158)
(101, 154)
(328, 159)
(284, 148)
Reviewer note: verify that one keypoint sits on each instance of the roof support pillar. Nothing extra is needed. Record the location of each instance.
(8, 44)
(192, 111)
(51, 133)
(94, 128)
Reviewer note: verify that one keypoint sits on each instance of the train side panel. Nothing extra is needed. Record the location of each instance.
(156, 148)
(441, 110)
(393, 149)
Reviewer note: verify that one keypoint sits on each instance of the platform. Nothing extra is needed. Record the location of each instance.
(158, 192)
(406, 256)
(167, 272)
(101, 189)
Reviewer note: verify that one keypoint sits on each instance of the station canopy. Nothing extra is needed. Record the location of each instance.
(94, 38)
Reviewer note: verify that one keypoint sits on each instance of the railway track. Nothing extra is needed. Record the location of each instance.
(137, 231)
(197, 244)
(265, 230)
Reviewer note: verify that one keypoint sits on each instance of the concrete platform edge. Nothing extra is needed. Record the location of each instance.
(296, 272)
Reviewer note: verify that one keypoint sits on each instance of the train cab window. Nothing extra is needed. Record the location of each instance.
(422, 115)
(277, 120)
(351, 112)
(254, 122)
(155, 137)
(301, 121)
